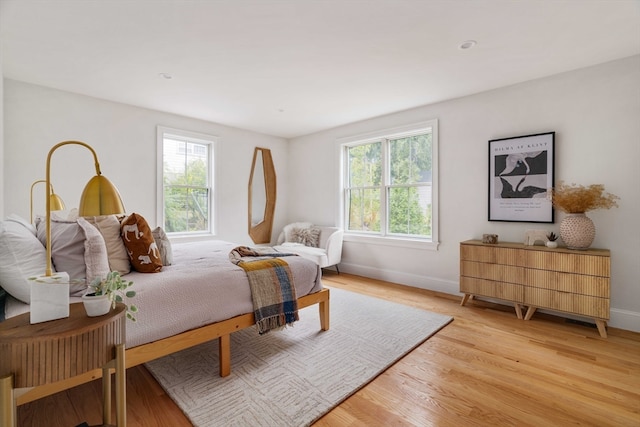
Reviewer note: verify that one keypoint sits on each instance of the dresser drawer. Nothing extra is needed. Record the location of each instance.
(568, 302)
(492, 255)
(591, 265)
(490, 288)
(497, 272)
(566, 282)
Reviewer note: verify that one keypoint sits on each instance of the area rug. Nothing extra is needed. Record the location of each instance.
(293, 377)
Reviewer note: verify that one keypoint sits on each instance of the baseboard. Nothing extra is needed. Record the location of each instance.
(415, 280)
(621, 319)
(625, 319)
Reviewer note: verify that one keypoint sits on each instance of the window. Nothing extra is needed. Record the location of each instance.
(389, 184)
(185, 167)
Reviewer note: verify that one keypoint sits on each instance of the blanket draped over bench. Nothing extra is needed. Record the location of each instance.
(274, 295)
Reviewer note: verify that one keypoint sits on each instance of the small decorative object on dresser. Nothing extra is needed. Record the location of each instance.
(533, 236)
(551, 243)
(490, 238)
(576, 229)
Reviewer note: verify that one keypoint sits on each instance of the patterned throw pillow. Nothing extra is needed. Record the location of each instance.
(307, 236)
(141, 247)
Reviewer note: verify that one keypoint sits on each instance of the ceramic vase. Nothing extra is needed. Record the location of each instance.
(577, 231)
(96, 305)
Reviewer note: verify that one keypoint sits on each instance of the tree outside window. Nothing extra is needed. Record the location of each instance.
(388, 186)
(186, 165)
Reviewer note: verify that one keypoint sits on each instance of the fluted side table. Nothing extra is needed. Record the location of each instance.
(42, 353)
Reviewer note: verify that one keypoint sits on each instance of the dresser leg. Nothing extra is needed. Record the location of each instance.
(518, 308)
(602, 327)
(465, 298)
(8, 414)
(530, 312)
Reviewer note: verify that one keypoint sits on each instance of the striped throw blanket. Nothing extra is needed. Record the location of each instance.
(274, 295)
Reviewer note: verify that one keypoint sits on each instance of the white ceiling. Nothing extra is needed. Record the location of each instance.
(290, 68)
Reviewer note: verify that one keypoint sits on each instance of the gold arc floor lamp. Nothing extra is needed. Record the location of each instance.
(100, 196)
(56, 201)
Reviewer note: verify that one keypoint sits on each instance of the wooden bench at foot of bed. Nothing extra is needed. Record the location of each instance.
(144, 353)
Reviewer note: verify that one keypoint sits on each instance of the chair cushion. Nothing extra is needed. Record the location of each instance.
(307, 236)
(317, 255)
(288, 229)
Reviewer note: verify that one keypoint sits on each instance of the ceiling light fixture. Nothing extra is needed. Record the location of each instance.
(468, 44)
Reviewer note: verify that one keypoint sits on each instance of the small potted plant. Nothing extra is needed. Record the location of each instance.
(104, 293)
(551, 243)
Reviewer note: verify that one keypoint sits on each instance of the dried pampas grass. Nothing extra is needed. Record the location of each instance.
(580, 199)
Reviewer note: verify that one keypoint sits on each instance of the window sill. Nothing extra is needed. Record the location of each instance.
(392, 241)
(188, 237)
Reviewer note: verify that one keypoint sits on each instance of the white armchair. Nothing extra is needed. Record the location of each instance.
(327, 253)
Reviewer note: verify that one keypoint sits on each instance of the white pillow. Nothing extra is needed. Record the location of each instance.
(67, 245)
(95, 252)
(21, 256)
(164, 245)
(109, 227)
(77, 248)
(24, 222)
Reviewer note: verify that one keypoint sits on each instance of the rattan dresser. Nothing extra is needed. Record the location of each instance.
(575, 282)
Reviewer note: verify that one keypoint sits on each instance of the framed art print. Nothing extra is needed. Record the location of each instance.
(520, 173)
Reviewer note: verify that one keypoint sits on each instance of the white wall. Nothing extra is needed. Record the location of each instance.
(2, 157)
(124, 137)
(595, 113)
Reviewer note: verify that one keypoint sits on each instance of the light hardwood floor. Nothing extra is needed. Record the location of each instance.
(486, 368)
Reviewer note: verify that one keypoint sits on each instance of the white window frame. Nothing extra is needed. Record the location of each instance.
(391, 239)
(198, 138)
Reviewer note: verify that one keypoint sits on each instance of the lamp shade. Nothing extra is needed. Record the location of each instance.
(56, 203)
(100, 197)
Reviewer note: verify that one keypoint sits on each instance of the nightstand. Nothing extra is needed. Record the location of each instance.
(42, 353)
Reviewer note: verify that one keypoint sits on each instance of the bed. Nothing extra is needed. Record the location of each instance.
(202, 296)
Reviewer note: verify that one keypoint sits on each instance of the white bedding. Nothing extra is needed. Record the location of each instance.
(201, 287)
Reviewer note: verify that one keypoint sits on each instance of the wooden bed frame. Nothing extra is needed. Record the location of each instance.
(146, 352)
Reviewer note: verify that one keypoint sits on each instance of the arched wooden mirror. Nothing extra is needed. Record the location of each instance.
(262, 196)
